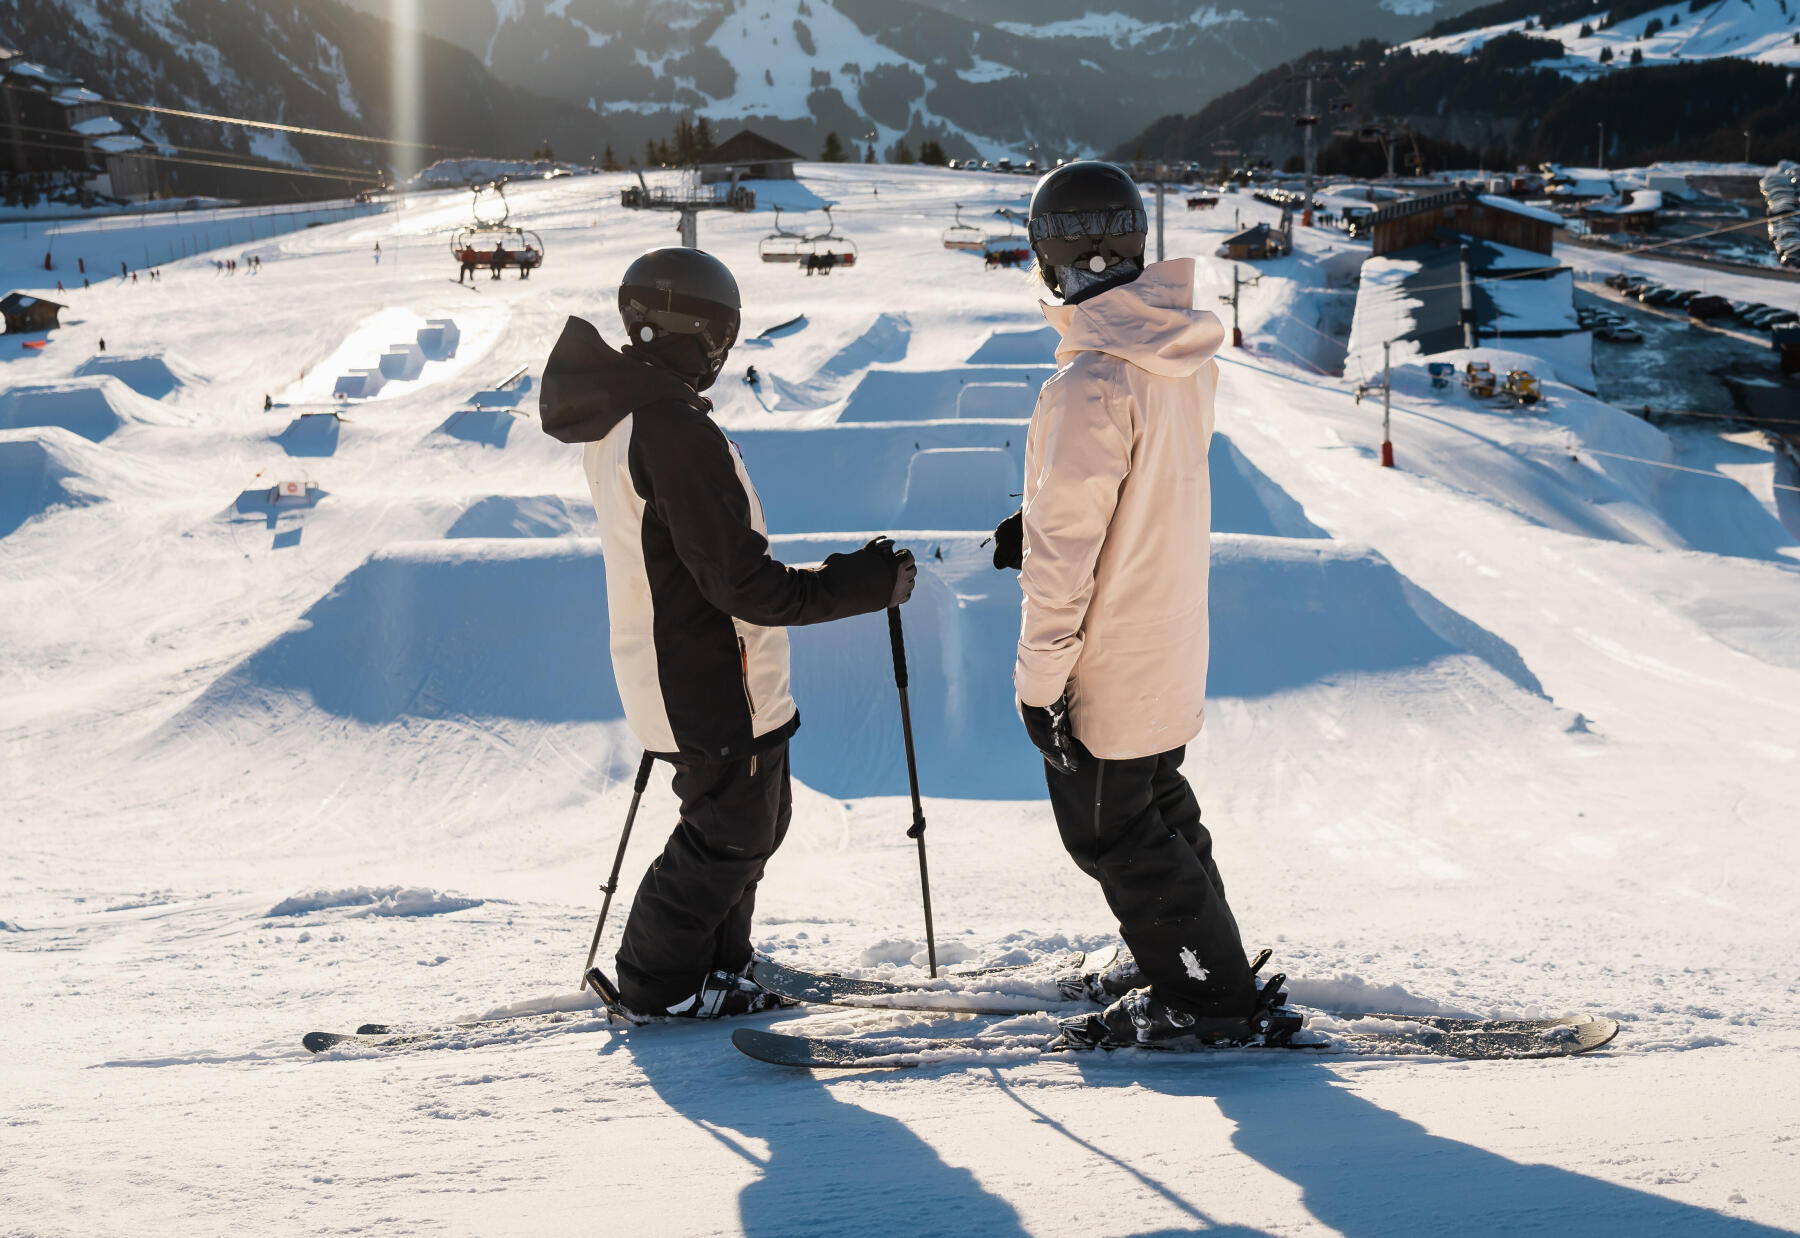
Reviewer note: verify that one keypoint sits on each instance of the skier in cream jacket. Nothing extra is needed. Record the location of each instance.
(1112, 544)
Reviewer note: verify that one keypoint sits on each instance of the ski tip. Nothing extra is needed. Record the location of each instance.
(1593, 1034)
(374, 1029)
(319, 1042)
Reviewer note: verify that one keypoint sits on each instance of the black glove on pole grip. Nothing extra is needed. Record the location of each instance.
(612, 882)
(897, 638)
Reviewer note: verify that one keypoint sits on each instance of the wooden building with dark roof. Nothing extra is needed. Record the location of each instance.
(747, 155)
(1464, 211)
(28, 313)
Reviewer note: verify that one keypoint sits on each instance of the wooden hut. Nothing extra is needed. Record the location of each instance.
(1465, 211)
(28, 313)
(748, 156)
(1257, 241)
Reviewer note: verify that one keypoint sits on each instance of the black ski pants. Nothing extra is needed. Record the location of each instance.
(692, 910)
(1134, 826)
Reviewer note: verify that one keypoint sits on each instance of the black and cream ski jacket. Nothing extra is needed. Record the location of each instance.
(696, 603)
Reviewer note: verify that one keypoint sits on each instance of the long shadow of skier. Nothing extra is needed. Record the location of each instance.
(1367, 1171)
(831, 1167)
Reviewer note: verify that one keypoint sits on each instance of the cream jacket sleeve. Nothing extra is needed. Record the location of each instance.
(1077, 457)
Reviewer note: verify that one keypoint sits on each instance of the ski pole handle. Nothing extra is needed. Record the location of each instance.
(897, 639)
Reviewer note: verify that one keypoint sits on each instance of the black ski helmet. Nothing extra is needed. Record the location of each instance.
(681, 310)
(1087, 214)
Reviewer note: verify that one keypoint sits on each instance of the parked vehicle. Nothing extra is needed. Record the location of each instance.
(1709, 307)
(1619, 335)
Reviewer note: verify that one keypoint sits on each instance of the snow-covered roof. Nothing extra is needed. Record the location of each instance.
(118, 144)
(1631, 202)
(1414, 298)
(95, 126)
(71, 96)
(1519, 208)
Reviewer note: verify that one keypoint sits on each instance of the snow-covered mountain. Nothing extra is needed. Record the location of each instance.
(990, 76)
(313, 63)
(1765, 31)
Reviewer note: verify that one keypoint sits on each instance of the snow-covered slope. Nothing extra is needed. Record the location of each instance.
(1759, 30)
(994, 77)
(1508, 728)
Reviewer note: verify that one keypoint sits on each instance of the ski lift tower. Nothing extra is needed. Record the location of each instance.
(688, 199)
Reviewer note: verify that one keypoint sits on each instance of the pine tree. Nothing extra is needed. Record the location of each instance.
(931, 151)
(869, 153)
(650, 152)
(834, 149)
(1637, 55)
(903, 153)
(1606, 55)
(607, 162)
(703, 137)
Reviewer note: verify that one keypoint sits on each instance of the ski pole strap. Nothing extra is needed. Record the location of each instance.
(897, 639)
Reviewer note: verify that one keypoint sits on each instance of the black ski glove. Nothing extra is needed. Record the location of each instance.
(1009, 542)
(1049, 731)
(906, 572)
(874, 578)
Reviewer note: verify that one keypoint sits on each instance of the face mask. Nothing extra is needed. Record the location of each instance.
(686, 356)
(1078, 283)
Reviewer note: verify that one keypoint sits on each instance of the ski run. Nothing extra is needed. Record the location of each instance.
(1505, 732)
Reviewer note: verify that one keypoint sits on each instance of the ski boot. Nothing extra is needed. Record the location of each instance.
(1105, 985)
(724, 994)
(1140, 1019)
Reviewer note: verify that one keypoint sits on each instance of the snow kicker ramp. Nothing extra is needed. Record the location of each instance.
(148, 374)
(43, 469)
(94, 407)
(517, 628)
(954, 475)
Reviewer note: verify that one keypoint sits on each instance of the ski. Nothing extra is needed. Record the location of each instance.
(402, 1034)
(384, 1036)
(824, 989)
(1474, 1039)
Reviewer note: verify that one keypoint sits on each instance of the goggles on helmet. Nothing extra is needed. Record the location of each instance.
(1069, 238)
(670, 313)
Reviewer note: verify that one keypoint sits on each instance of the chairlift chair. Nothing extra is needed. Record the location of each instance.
(477, 244)
(826, 251)
(782, 245)
(1225, 148)
(965, 237)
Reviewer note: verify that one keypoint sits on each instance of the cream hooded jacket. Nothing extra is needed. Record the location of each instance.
(1118, 516)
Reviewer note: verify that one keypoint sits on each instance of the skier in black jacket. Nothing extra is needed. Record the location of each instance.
(699, 611)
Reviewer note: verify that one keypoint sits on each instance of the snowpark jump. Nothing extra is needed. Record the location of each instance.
(1487, 762)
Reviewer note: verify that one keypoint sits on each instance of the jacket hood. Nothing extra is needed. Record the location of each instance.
(590, 387)
(1149, 322)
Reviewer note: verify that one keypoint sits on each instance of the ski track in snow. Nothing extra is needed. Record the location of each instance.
(1504, 731)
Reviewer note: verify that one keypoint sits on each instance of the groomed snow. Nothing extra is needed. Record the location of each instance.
(1508, 729)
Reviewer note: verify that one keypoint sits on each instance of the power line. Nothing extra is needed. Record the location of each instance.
(169, 146)
(278, 128)
(361, 178)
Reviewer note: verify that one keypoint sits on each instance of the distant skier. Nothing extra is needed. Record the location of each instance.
(698, 609)
(377, 253)
(466, 258)
(1112, 543)
(497, 259)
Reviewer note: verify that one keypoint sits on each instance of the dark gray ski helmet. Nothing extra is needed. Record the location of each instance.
(681, 310)
(1087, 215)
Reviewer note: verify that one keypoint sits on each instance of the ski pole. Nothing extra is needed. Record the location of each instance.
(898, 639)
(612, 882)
